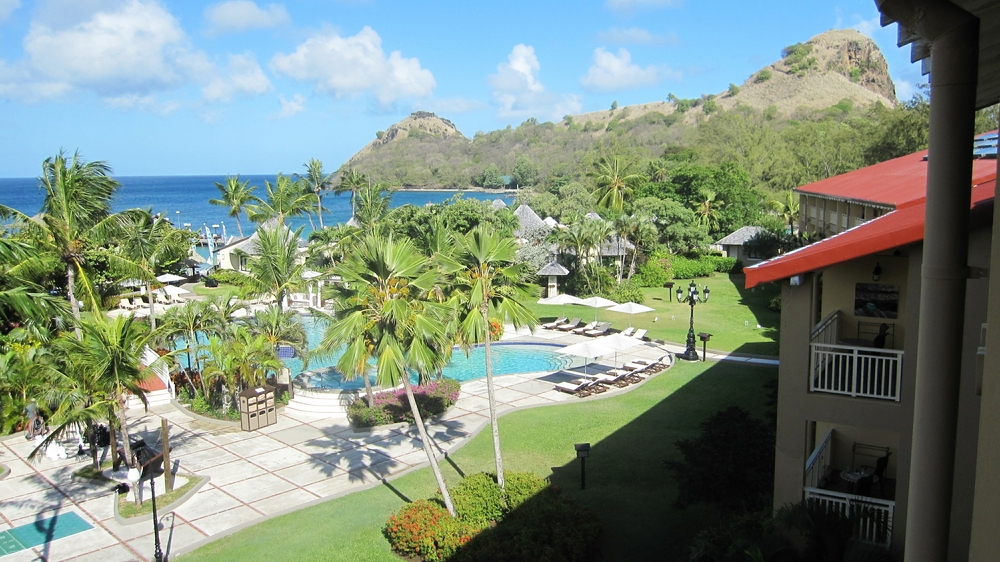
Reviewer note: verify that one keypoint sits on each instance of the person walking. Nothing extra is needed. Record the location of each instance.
(36, 426)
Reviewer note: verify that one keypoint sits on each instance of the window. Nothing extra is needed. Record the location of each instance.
(833, 218)
(843, 221)
(812, 211)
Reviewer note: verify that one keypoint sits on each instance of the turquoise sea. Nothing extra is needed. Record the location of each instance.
(184, 199)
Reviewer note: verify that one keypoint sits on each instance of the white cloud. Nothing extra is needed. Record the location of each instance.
(136, 49)
(868, 27)
(637, 36)
(7, 8)
(142, 103)
(519, 93)
(904, 90)
(243, 76)
(451, 106)
(240, 15)
(345, 66)
(629, 5)
(615, 72)
(290, 107)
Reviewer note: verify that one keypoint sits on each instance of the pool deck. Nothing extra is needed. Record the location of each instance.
(300, 461)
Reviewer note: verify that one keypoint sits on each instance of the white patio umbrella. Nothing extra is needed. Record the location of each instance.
(561, 298)
(618, 342)
(596, 303)
(631, 308)
(169, 278)
(587, 349)
(171, 290)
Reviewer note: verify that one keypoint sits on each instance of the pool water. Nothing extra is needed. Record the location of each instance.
(508, 359)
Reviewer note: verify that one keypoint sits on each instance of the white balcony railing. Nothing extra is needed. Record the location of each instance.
(875, 521)
(819, 461)
(866, 372)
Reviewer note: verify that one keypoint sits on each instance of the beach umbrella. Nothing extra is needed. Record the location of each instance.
(618, 342)
(561, 298)
(596, 303)
(171, 290)
(169, 278)
(587, 349)
(630, 308)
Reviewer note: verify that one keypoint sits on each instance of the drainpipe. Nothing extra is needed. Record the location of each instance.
(954, 37)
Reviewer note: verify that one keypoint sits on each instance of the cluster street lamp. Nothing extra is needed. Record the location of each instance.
(691, 353)
(135, 477)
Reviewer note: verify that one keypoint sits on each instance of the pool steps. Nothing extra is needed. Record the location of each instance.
(327, 403)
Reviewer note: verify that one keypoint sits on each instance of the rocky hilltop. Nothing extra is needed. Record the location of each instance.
(424, 150)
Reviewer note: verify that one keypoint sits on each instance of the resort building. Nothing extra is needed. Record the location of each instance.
(732, 246)
(929, 395)
(235, 254)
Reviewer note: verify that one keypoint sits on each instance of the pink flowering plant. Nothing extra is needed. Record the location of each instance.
(432, 398)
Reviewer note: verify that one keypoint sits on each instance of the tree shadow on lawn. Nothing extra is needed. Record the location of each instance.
(757, 300)
(628, 485)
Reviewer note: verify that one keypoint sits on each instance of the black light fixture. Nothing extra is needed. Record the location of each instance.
(582, 452)
(691, 352)
(877, 272)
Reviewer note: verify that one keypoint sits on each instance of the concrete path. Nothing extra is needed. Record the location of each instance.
(255, 475)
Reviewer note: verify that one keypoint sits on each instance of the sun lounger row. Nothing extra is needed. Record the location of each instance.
(631, 373)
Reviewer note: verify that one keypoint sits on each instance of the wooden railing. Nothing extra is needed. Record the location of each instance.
(866, 372)
(826, 330)
(874, 515)
(818, 461)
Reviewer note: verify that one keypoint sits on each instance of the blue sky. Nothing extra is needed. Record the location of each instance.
(179, 88)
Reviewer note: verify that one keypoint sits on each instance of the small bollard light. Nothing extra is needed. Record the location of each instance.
(582, 452)
(704, 337)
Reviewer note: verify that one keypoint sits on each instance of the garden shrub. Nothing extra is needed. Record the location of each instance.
(775, 304)
(763, 76)
(653, 273)
(478, 500)
(721, 264)
(686, 268)
(625, 292)
(432, 398)
(521, 486)
(231, 277)
(424, 528)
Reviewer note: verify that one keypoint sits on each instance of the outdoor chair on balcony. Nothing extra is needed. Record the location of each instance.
(879, 474)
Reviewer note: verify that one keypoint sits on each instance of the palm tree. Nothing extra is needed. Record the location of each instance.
(383, 313)
(285, 199)
(351, 181)
(241, 359)
(76, 211)
(275, 268)
(317, 182)
(188, 320)
(788, 210)
(614, 183)
(107, 363)
(236, 195)
(373, 204)
(281, 328)
(22, 300)
(706, 210)
(488, 279)
(146, 241)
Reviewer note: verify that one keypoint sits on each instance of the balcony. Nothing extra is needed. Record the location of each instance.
(822, 483)
(851, 370)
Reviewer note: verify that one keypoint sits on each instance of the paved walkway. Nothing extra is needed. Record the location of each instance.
(253, 475)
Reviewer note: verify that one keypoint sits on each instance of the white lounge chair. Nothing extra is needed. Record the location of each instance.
(639, 334)
(125, 304)
(553, 324)
(588, 326)
(628, 331)
(569, 325)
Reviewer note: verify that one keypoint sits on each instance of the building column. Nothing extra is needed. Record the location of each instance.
(955, 52)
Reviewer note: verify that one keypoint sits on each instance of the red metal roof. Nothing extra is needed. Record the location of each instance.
(898, 228)
(892, 183)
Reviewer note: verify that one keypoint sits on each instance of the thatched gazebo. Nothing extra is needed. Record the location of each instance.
(553, 270)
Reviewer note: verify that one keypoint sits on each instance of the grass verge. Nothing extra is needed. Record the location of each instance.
(126, 503)
(632, 435)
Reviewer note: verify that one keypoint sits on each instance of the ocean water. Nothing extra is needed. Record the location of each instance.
(184, 200)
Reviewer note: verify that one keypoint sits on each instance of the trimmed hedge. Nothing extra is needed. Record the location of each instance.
(393, 407)
(231, 277)
(478, 500)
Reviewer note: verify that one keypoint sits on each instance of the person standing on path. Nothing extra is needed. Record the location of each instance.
(36, 426)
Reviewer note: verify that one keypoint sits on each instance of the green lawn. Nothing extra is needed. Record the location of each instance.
(731, 315)
(627, 485)
(222, 289)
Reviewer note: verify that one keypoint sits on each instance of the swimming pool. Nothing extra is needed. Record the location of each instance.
(508, 358)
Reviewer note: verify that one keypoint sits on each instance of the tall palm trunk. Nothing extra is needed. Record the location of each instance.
(71, 293)
(319, 207)
(239, 227)
(427, 445)
(369, 395)
(152, 311)
(492, 400)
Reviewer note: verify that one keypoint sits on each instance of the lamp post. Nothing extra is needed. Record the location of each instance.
(582, 452)
(157, 553)
(691, 353)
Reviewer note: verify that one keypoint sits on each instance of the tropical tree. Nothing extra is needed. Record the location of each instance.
(352, 181)
(22, 300)
(29, 369)
(148, 242)
(317, 182)
(106, 363)
(274, 267)
(236, 195)
(189, 321)
(285, 199)
(384, 314)
(788, 210)
(76, 212)
(487, 280)
(373, 204)
(615, 183)
(706, 210)
(240, 359)
(281, 328)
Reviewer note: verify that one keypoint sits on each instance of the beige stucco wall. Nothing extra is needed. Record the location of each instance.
(838, 293)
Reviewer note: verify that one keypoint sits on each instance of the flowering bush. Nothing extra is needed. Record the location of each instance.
(425, 529)
(496, 329)
(393, 407)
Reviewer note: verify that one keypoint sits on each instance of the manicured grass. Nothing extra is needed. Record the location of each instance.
(126, 502)
(222, 289)
(731, 315)
(627, 484)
